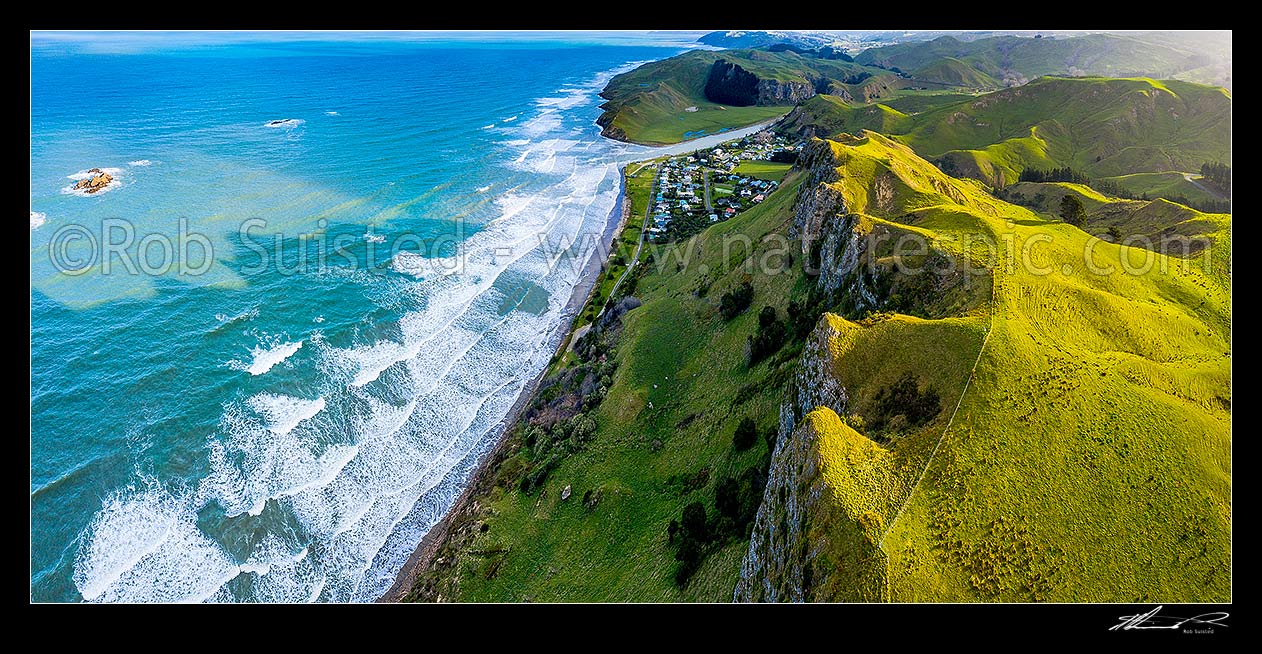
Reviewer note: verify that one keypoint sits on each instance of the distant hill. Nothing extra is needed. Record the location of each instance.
(1015, 60)
(705, 91)
(761, 38)
(949, 71)
(1103, 127)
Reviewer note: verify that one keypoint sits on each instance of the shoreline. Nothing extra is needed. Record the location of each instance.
(422, 558)
(426, 554)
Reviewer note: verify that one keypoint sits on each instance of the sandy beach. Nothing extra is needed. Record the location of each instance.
(427, 551)
(429, 546)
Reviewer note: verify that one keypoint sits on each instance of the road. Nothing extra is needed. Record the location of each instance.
(705, 174)
(644, 228)
(1217, 194)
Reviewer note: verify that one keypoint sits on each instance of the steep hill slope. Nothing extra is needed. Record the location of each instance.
(949, 71)
(673, 382)
(979, 412)
(1016, 60)
(1080, 447)
(705, 91)
(1104, 127)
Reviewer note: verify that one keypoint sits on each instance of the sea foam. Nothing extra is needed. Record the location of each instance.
(283, 412)
(266, 357)
(398, 422)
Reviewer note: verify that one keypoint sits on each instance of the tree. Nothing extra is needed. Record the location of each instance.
(745, 435)
(694, 524)
(733, 302)
(766, 317)
(1071, 210)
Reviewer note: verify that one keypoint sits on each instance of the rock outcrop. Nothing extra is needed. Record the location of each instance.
(729, 83)
(98, 181)
(816, 535)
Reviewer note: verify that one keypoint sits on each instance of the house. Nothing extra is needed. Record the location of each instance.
(729, 212)
(759, 197)
(746, 193)
(714, 217)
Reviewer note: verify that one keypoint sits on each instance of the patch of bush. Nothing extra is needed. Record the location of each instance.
(903, 398)
(736, 301)
(746, 434)
(769, 338)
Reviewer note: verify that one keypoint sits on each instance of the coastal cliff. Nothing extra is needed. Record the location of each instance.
(729, 83)
(704, 92)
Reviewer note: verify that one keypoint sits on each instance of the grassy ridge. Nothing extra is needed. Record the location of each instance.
(1104, 127)
(665, 102)
(1090, 458)
(1017, 59)
(669, 414)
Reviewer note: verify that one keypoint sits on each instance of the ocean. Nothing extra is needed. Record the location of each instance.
(266, 358)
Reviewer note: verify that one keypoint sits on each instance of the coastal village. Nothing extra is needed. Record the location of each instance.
(695, 190)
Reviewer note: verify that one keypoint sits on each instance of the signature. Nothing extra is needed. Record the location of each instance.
(1151, 620)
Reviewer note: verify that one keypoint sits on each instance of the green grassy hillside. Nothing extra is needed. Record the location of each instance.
(827, 115)
(1090, 456)
(1013, 59)
(1104, 127)
(949, 71)
(1089, 459)
(662, 439)
(665, 101)
(1153, 185)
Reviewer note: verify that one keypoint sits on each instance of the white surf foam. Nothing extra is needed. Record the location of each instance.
(510, 119)
(491, 126)
(140, 163)
(38, 219)
(484, 189)
(266, 357)
(283, 412)
(403, 419)
(331, 113)
(141, 547)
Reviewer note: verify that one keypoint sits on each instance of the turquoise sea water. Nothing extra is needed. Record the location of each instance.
(273, 428)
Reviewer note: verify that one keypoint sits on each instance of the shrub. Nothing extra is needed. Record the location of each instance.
(745, 435)
(769, 338)
(734, 302)
(1071, 210)
(694, 523)
(689, 557)
(905, 398)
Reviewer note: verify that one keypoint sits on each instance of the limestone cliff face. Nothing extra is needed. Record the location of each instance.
(770, 571)
(814, 536)
(822, 224)
(772, 92)
(819, 198)
(729, 83)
